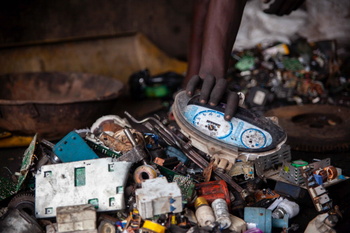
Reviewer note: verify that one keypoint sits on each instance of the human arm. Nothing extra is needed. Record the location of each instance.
(222, 22)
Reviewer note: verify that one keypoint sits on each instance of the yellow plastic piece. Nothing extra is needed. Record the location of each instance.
(285, 49)
(5, 135)
(149, 55)
(155, 227)
(135, 211)
(173, 220)
(200, 201)
(15, 141)
(286, 168)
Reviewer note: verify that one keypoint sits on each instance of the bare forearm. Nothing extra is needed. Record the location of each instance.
(221, 27)
(196, 39)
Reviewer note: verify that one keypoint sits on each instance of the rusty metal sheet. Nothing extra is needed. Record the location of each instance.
(54, 103)
(318, 128)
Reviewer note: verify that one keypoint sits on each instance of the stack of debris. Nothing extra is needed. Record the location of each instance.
(299, 73)
(147, 177)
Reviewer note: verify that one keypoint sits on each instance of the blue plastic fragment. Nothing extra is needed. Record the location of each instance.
(73, 148)
(281, 223)
(319, 179)
(260, 217)
(172, 208)
(173, 152)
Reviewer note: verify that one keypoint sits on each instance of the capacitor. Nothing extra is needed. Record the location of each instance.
(221, 213)
(204, 213)
(322, 173)
(286, 207)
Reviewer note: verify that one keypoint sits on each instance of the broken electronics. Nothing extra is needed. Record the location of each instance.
(198, 171)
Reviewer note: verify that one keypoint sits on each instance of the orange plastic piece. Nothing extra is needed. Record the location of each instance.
(213, 190)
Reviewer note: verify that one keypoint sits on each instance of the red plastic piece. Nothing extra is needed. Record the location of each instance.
(213, 190)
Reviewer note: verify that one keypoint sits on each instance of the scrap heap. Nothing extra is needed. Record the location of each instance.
(300, 73)
(114, 178)
(147, 175)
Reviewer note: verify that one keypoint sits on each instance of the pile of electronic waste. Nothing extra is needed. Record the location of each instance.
(302, 72)
(304, 84)
(197, 173)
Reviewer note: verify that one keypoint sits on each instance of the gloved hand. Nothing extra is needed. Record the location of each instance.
(212, 91)
(282, 7)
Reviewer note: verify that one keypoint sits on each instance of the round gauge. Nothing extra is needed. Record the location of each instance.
(253, 138)
(212, 123)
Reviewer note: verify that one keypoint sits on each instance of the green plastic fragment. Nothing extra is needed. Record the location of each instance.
(247, 62)
(7, 188)
(292, 64)
(187, 187)
(157, 91)
(169, 174)
(94, 202)
(26, 162)
(80, 177)
(103, 149)
(299, 163)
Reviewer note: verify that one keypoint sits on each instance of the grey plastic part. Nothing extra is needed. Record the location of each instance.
(76, 218)
(19, 221)
(157, 196)
(100, 180)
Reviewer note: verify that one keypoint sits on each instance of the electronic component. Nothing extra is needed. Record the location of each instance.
(187, 187)
(144, 172)
(291, 171)
(157, 196)
(318, 193)
(98, 146)
(286, 207)
(152, 227)
(247, 134)
(204, 213)
(97, 181)
(221, 213)
(213, 190)
(236, 132)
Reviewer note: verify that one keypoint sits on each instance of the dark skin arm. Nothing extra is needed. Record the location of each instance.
(196, 40)
(214, 30)
(220, 29)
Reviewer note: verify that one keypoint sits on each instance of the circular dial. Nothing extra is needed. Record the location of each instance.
(253, 138)
(212, 123)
